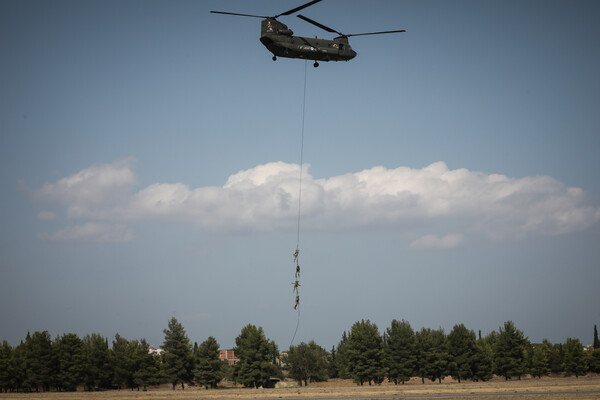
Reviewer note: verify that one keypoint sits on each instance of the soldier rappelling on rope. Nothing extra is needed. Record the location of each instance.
(296, 285)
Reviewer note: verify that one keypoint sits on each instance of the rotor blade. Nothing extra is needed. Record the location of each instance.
(242, 15)
(293, 10)
(328, 29)
(374, 33)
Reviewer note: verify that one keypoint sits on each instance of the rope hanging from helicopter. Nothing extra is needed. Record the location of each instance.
(296, 283)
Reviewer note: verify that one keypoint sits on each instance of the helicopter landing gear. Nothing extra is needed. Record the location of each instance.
(274, 58)
(316, 64)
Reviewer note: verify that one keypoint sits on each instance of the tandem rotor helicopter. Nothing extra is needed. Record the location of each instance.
(279, 39)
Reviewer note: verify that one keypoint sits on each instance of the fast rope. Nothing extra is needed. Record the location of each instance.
(296, 282)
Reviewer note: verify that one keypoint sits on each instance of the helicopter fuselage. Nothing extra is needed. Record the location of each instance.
(279, 40)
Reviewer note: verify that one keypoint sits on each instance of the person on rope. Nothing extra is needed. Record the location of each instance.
(297, 271)
(297, 302)
(296, 286)
(296, 256)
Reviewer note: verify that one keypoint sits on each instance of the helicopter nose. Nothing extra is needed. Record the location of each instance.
(354, 54)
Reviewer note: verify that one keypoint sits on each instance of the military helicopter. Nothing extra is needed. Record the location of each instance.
(279, 39)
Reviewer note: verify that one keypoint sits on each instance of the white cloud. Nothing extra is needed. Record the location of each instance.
(91, 231)
(101, 185)
(434, 242)
(265, 198)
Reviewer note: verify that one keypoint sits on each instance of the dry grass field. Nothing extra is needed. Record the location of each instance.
(585, 388)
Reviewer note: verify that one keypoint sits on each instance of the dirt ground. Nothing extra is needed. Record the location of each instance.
(548, 388)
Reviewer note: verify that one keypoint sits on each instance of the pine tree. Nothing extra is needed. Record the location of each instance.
(400, 349)
(69, 351)
(341, 359)
(365, 353)
(177, 354)
(509, 352)
(596, 340)
(307, 362)
(38, 361)
(332, 371)
(461, 349)
(98, 366)
(438, 358)
(122, 363)
(207, 371)
(481, 362)
(5, 367)
(146, 366)
(574, 362)
(540, 361)
(424, 348)
(556, 358)
(594, 361)
(256, 355)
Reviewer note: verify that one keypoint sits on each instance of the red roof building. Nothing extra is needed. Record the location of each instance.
(229, 356)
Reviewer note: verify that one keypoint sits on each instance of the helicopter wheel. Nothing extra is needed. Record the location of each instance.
(274, 58)
(316, 64)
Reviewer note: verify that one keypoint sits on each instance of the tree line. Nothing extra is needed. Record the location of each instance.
(399, 353)
(363, 354)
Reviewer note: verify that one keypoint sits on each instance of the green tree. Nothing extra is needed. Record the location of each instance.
(481, 362)
(365, 353)
(556, 358)
(5, 367)
(596, 340)
(401, 351)
(461, 349)
(423, 350)
(146, 366)
(307, 363)
(574, 362)
(177, 354)
(340, 362)
(438, 363)
(98, 364)
(69, 351)
(509, 352)
(207, 371)
(38, 361)
(540, 360)
(255, 352)
(122, 362)
(18, 366)
(332, 371)
(594, 361)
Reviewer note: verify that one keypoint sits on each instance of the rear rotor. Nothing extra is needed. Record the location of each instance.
(328, 29)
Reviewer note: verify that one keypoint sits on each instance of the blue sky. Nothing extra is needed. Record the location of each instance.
(149, 157)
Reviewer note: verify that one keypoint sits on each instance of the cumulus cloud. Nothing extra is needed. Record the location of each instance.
(265, 198)
(94, 188)
(434, 242)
